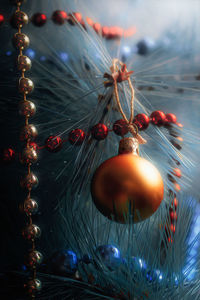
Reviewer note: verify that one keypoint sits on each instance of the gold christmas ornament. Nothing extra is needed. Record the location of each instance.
(127, 186)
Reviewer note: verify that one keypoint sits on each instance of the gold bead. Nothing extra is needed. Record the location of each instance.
(33, 286)
(23, 63)
(28, 132)
(27, 108)
(31, 232)
(19, 19)
(21, 41)
(29, 181)
(30, 206)
(26, 85)
(29, 156)
(34, 258)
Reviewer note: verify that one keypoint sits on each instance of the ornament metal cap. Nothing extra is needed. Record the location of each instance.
(129, 145)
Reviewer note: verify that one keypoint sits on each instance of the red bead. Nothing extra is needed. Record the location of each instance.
(59, 17)
(75, 18)
(99, 131)
(97, 27)
(53, 143)
(175, 203)
(173, 228)
(141, 121)
(114, 32)
(39, 19)
(89, 21)
(76, 137)
(105, 31)
(158, 118)
(177, 172)
(120, 127)
(173, 215)
(170, 118)
(118, 32)
(170, 240)
(7, 155)
(2, 19)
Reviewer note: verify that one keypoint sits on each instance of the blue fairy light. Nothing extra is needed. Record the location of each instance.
(126, 50)
(176, 280)
(30, 53)
(43, 58)
(24, 268)
(64, 56)
(160, 277)
(8, 53)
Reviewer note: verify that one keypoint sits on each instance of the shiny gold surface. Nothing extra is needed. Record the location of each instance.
(127, 183)
(23, 63)
(26, 85)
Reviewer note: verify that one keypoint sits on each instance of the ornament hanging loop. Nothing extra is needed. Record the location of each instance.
(119, 73)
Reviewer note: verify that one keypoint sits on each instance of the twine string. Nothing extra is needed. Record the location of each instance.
(119, 75)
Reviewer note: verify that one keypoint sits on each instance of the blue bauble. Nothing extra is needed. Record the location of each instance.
(137, 266)
(86, 259)
(109, 255)
(154, 277)
(64, 262)
(145, 46)
(138, 263)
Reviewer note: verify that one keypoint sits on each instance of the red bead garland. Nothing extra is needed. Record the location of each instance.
(76, 137)
(39, 19)
(99, 131)
(59, 17)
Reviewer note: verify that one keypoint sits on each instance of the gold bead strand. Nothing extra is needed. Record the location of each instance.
(29, 154)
